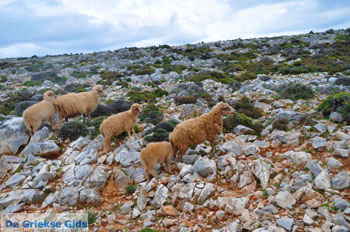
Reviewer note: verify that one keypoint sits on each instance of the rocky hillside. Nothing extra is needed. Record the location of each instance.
(282, 163)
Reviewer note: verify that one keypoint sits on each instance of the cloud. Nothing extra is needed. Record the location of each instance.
(63, 26)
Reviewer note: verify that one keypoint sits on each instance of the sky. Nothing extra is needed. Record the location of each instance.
(51, 27)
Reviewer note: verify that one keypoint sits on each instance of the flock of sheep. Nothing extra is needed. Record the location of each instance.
(186, 134)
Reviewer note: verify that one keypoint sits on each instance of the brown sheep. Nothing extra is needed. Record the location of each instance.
(156, 153)
(75, 104)
(197, 130)
(40, 112)
(117, 123)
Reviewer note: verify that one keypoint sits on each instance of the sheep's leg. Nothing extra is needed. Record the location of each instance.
(167, 161)
(36, 127)
(150, 170)
(60, 118)
(106, 144)
(147, 175)
(84, 118)
(52, 123)
(181, 153)
(133, 132)
(212, 143)
(129, 136)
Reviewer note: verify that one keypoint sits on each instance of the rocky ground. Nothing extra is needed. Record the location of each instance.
(282, 163)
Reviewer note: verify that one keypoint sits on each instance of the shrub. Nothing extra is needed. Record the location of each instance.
(161, 131)
(96, 122)
(92, 217)
(295, 91)
(49, 75)
(244, 106)
(281, 124)
(230, 122)
(136, 95)
(339, 102)
(151, 114)
(79, 74)
(148, 230)
(130, 189)
(3, 78)
(144, 71)
(180, 100)
(32, 83)
(343, 38)
(213, 75)
(72, 130)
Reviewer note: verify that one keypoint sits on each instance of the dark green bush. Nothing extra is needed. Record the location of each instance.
(96, 122)
(151, 114)
(213, 75)
(244, 106)
(295, 91)
(49, 75)
(180, 100)
(144, 71)
(230, 122)
(339, 102)
(72, 130)
(32, 83)
(130, 189)
(3, 78)
(138, 96)
(79, 74)
(281, 124)
(343, 38)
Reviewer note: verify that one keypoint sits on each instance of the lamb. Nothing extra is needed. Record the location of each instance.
(117, 123)
(75, 104)
(156, 153)
(40, 112)
(197, 130)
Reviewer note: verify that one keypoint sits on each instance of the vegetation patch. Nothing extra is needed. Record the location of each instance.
(244, 106)
(339, 102)
(151, 114)
(230, 122)
(161, 131)
(79, 74)
(295, 91)
(32, 83)
(96, 122)
(213, 75)
(136, 95)
(130, 189)
(180, 100)
(72, 130)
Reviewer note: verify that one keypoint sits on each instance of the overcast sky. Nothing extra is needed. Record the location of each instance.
(48, 27)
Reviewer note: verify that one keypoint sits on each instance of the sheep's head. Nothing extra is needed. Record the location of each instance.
(224, 108)
(99, 90)
(49, 95)
(136, 108)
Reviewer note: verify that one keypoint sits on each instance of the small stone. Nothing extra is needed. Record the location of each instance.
(318, 142)
(126, 207)
(169, 210)
(341, 180)
(323, 180)
(285, 200)
(286, 222)
(308, 220)
(336, 117)
(341, 152)
(220, 214)
(251, 150)
(334, 164)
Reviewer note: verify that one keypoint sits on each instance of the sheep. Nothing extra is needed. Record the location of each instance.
(156, 153)
(75, 104)
(40, 112)
(197, 130)
(117, 123)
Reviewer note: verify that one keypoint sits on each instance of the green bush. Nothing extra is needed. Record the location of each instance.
(72, 130)
(281, 124)
(213, 75)
(130, 189)
(339, 102)
(32, 83)
(96, 122)
(343, 38)
(92, 217)
(144, 71)
(180, 100)
(79, 74)
(3, 78)
(151, 114)
(230, 122)
(244, 106)
(136, 95)
(295, 91)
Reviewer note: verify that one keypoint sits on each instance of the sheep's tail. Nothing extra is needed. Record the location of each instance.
(30, 128)
(173, 144)
(101, 132)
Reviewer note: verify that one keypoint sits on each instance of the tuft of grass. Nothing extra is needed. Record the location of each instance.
(92, 216)
(130, 189)
(295, 91)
